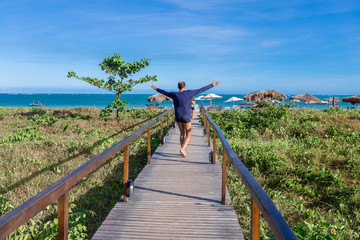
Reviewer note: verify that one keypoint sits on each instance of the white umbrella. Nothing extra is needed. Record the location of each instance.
(234, 99)
(211, 96)
(200, 98)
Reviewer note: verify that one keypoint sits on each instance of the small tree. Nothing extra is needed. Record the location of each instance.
(118, 81)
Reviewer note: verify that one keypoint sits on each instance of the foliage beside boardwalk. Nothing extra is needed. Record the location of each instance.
(40, 146)
(306, 160)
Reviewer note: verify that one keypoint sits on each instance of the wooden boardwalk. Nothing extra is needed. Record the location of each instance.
(175, 197)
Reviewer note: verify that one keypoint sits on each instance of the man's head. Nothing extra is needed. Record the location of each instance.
(181, 85)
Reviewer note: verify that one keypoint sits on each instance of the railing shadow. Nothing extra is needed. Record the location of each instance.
(52, 166)
(166, 157)
(179, 194)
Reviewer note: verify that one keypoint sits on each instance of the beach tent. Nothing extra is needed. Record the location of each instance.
(267, 95)
(211, 96)
(158, 98)
(306, 98)
(353, 99)
(234, 99)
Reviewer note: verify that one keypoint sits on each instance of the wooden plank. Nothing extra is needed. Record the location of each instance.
(175, 197)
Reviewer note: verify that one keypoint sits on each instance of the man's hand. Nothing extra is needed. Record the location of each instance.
(215, 83)
(154, 87)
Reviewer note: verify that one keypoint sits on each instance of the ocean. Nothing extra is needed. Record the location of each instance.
(134, 100)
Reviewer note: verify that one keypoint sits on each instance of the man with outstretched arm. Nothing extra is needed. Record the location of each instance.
(182, 104)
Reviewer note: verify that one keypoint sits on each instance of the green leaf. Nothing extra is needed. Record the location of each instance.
(119, 71)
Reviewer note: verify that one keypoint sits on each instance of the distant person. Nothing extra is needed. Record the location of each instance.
(193, 102)
(182, 104)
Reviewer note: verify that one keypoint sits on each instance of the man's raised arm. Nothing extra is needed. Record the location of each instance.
(203, 89)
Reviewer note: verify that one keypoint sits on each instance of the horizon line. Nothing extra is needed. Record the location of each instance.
(224, 93)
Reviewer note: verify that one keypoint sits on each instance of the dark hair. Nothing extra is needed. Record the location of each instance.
(181, 85)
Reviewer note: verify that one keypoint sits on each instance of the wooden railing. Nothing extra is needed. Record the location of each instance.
(260, 201)
(60, 190)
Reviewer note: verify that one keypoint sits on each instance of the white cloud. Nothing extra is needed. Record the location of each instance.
(203, 4)
(212, 32)
(271, 43)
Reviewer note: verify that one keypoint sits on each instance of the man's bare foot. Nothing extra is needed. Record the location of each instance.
(183, 153)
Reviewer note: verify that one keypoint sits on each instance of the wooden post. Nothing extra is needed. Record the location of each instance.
(126, 170)
(161, 131)
(255, 221)
(174, 118)
(148, 146)
(214, 145)
(167, 125)
(204, 115)
(63, 225)
(205, 124)
(208, 131)
(223, 186)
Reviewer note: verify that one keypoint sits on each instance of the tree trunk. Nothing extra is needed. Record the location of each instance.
(118, 94)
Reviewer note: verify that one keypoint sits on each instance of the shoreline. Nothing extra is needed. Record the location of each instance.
(134, 100)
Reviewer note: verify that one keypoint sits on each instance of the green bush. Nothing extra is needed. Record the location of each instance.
(261, 117)
(3, 114)
(49, 229)
(80, 116)
(301, 157)
(5, 205)
(43, 119)
(27, 133)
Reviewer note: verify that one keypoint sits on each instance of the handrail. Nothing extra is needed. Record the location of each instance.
(60, 189)
(260, 200)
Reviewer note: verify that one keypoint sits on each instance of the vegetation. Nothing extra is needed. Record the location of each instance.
(40, 146)
(306, 160)
(117, 82)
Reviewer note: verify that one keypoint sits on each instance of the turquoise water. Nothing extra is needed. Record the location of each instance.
(134, 100)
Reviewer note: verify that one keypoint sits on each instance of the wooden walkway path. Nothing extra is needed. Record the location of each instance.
(175, 197)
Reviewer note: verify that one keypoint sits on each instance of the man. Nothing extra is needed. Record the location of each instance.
(182, 104)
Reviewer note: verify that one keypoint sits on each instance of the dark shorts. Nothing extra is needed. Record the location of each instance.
(192, 108)
(183, 120)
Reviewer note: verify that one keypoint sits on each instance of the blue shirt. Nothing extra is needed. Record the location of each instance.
(182, 102)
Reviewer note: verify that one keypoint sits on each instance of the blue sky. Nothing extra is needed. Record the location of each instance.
(248, 45)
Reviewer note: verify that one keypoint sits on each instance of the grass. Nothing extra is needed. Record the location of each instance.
(40, 146)
(306, 160)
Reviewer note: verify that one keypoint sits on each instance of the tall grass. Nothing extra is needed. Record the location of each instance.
(40, 146)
